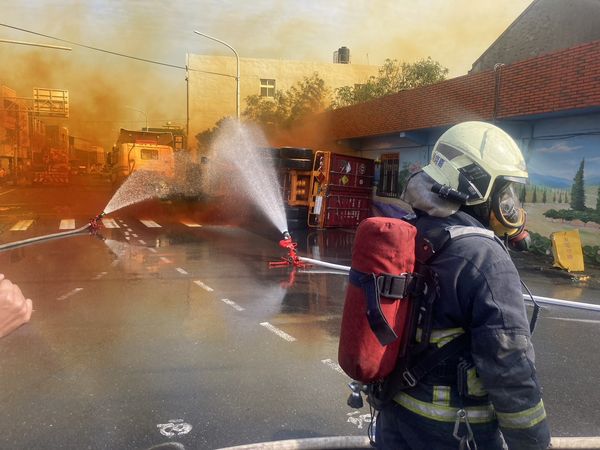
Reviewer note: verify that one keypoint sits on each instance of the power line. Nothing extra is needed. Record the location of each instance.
(110, 52)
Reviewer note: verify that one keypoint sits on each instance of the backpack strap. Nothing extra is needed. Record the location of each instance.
(375, 286)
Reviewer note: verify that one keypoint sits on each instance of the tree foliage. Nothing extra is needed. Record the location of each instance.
(205, 138)
(310, 95)
(393, 77)
(577, 189)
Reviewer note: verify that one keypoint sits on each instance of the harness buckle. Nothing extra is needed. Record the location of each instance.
(393, 286)
(409, 378)
(464, 441)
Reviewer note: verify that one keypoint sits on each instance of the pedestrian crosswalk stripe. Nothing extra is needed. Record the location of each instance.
(151, 224)
(110, 223)
(21, 225)
(203, 286)
(190, 224)
(67, 224)
(282, 334)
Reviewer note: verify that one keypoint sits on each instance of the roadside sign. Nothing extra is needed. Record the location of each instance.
(51, 102)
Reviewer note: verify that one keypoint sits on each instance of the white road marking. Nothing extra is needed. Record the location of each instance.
(576, 320)
(141, 241)
(151, 224)
(333, 365)
(69, 294)
(100, 275)
(21, 225)
(110, 223)
(129, 229)
(176, 427)
(203, 286)
(282, 334)
(150, 249)
(190, 224)
(6, 192)
(67, 224)
(165, 260)
(134, 235)
(181, 271)
(233, 304)
(128, 238)
(358, 419)
(126, 233)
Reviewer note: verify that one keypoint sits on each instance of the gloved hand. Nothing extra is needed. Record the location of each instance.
(15, 309)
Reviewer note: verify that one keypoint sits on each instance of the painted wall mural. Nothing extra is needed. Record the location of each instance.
(564, 184)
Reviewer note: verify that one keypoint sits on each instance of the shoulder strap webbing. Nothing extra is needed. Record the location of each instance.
(392, 286)
(411, 375)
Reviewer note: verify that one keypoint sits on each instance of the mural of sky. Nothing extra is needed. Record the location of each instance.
(553, 163)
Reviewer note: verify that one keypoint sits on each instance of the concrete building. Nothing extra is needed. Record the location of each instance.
(212, 84)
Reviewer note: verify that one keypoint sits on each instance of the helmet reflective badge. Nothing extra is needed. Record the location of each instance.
(470, 156)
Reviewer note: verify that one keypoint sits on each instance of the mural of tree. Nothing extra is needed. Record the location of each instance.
(577, 190)
(544, 197)
(598, 200)
(534, 197)
(522, 195)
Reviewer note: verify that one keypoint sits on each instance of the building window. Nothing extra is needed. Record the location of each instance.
(389, 185)
(267, 87)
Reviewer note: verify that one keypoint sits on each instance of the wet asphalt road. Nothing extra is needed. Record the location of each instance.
(182, 329)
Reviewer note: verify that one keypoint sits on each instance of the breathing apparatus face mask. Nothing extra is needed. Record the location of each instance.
(507, 217)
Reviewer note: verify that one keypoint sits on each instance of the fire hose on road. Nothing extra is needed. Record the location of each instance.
(92, 227)
(360, 442)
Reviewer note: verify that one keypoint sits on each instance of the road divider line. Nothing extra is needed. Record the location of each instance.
(21, 225)
(165, 260)
(110, 223)
(282, 334)
(181, 271)
(333, 365)
(151, 224)
(67, 224)
(233, 304)
(203, 286)
(190, 224)
(6, 192)
(69, 294)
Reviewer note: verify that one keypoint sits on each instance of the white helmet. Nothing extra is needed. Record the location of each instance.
(471, 156)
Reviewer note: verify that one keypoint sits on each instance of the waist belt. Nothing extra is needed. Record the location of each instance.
(386, 285)
(442, 413)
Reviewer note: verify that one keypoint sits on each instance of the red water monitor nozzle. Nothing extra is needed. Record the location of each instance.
(95, 222)
(292, 258)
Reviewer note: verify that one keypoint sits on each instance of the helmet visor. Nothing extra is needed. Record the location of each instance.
(507, 207)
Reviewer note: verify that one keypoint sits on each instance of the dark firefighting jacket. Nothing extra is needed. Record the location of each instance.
(479, 293)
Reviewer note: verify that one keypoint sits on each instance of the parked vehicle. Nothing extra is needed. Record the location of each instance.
(141, 150)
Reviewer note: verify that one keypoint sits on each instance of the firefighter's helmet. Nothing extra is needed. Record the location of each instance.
(473, 156)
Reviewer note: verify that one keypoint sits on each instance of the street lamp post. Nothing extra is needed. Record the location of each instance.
(237, 76)
(140, 111)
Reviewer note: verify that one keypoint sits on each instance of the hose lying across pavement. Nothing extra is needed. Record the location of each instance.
(47, 237)
(362, 442)
(540, 300)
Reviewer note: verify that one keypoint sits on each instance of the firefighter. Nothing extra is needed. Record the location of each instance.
(487, 395)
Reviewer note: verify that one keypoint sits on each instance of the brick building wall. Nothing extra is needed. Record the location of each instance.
(560, 82)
